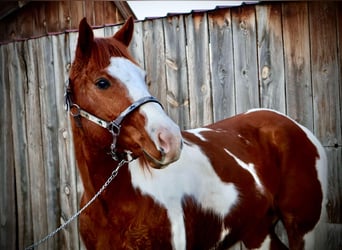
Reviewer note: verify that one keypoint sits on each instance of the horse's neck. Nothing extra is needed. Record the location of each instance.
(95, 165)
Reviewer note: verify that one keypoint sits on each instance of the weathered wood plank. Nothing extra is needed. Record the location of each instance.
(324, 70)
(297, 63)
(176, 71)
(64, 9)
(67, 164)
(137, 47)
(334, 206)
(8, 219)
(34, 143)
(222, 63)
(154, 54)
(50, 20)
(270, 57)
(111, 30)
(76, 12)
(18, 90)
(339, 46)
(49, 132)
(198, 69)
(245, 58)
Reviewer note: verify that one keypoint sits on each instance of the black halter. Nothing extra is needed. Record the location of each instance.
(113, 126)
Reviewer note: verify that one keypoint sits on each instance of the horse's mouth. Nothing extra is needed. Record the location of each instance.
(164, 160)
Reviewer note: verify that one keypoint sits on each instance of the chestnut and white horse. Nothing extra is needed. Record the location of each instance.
(204, 188)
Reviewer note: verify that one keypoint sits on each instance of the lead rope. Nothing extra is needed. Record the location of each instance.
(105, 185)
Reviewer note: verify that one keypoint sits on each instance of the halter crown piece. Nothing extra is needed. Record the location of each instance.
(113, 126)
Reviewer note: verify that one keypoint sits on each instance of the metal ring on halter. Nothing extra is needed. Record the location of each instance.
(114, 128)
(78, 110)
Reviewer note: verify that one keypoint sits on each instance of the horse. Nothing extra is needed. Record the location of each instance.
(203, 188)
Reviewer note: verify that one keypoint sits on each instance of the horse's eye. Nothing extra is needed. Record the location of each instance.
(103, 83)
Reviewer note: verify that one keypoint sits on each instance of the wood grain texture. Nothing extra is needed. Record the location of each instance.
(176, 71)
(297, 63)
(222, 64)
(8, 218)
(270, 57)
(245, 58)
(154, 54)
(324, 71)
(198, 69)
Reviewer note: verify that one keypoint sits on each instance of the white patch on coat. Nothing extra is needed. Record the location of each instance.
(197, 132)
(249, 167)
(192, 175)
(224, 232)
(266, 244)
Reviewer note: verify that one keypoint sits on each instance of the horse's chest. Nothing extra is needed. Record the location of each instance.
(126, 226)
(190, 177)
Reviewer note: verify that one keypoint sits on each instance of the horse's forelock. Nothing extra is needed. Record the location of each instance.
(102, 50)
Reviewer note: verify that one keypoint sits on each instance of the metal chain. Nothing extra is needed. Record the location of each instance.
(105, 185)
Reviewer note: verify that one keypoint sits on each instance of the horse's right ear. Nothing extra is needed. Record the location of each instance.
(85, 40)
(125, 33)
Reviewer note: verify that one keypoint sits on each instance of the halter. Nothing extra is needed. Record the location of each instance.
(113, 126)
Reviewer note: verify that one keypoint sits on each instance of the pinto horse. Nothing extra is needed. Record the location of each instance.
(204, 188)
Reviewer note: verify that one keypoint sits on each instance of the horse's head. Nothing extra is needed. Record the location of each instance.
(104, 83)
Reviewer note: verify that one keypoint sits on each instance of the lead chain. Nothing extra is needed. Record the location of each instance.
(105, 185)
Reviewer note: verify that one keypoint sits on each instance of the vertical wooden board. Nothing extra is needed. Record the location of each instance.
(297, 63)
(339, 46)
(76, 13)
(98, 32)
(52, 23)
(98, 12)
(24, 23)
(8, 219)
(154, 55)
(111, 30)
(89, 11)
(64, 8)
(111, 15)
(17, 91)
(325, 72)
(176, 71)
(49, 131)
(245, 58)
(39, 20)
(72, 43)
(67, 164)
(334, 206)
(329, 233)
(270, 57)
(136, 47)
(34, 143)
(198, 69)
(222, 63)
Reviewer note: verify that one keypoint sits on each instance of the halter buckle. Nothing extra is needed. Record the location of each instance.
(114, 128)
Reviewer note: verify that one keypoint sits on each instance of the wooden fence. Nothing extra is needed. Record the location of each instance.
(203, 67)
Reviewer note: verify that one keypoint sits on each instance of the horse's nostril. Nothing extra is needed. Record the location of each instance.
(164, 141)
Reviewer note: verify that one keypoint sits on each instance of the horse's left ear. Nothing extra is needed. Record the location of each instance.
(85, 40)
(125, 34)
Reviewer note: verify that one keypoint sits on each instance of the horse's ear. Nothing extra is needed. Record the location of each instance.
(85, 40)
(125, 34)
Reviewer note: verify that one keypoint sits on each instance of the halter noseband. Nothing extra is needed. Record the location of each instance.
(113, 126)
